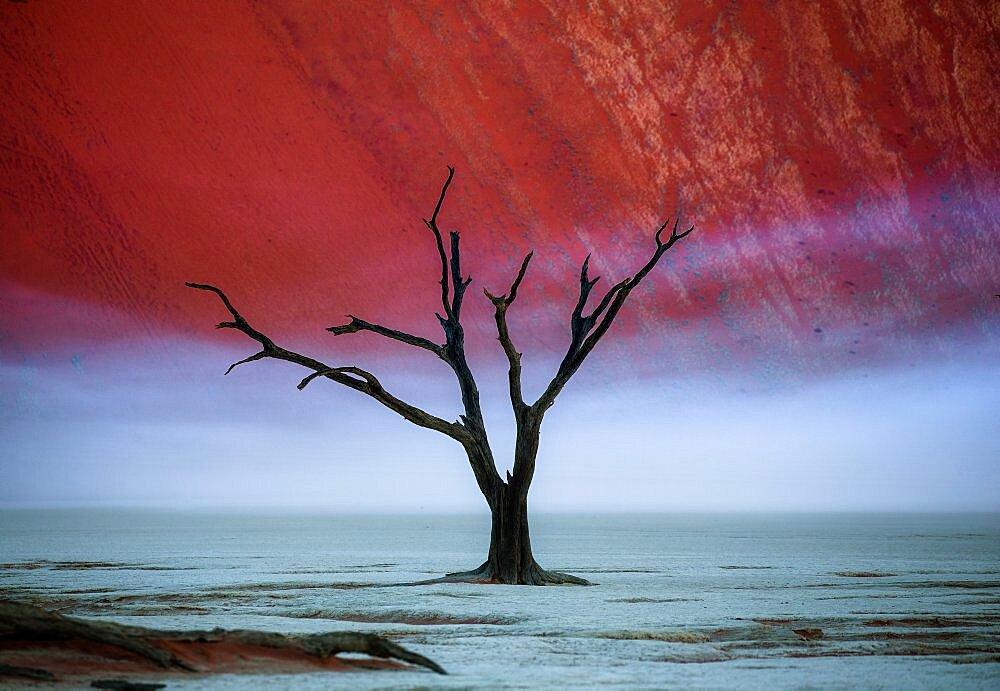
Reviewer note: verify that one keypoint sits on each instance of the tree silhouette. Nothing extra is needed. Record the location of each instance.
(509, 559)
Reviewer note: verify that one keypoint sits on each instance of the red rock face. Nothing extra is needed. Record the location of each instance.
(839, 159)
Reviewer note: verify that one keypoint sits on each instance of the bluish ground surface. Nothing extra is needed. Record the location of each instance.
(731, 600)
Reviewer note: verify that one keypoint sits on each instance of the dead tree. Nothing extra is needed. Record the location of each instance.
(509, 559)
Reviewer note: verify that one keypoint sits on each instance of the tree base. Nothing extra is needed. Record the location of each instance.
(486, 573)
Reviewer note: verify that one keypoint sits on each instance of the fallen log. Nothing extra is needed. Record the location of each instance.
(42, 645)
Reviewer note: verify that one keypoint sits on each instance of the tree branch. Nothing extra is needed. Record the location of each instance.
(606, 300)
(362, 381)
(500, 304)
(368, 377)
(459, 283)
(587, 331)
(579, 325)
(453, 286)
(356, 325)
(512, 294)
(256, 356)
(238, 321)
(432, 224)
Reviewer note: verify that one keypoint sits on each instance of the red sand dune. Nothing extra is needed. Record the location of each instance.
(840, 159)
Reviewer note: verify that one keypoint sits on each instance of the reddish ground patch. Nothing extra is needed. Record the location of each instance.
(77, 659)
(36, 644)
(73, 657)
(923, 622)
(244, 658)
(809, 634)
(863, 574)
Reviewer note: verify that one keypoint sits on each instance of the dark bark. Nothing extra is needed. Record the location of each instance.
(509, 558)
(21, 622)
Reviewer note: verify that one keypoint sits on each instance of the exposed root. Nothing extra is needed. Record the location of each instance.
(485, 573)
(559, 578)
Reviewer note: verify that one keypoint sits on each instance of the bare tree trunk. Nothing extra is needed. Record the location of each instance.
(509, 559)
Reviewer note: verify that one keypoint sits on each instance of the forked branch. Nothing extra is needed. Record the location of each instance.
(500, 305)
(451, 271)
(587, 330)
(351, 377)
(453, 286)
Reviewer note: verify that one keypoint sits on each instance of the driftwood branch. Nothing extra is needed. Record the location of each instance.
(362, 382)
(27, 624)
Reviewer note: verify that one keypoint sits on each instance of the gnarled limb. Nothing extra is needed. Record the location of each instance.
(362, 382)
(360, 373)
(526, 420)
(180, 651)
(356, 325)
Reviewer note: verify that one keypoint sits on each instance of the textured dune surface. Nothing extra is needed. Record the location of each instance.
(840, 160)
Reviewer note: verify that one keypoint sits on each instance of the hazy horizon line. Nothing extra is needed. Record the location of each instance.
(291, 510)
